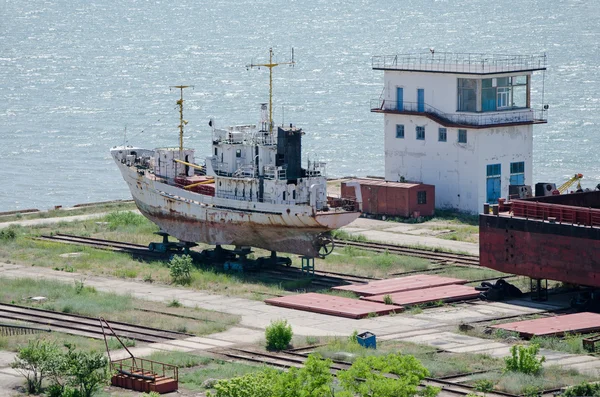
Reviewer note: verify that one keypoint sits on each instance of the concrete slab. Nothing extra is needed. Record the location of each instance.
(240, 335)
(136, 351)
(488, 347)
(190, 345)
(408, 334)
(208, 341)
(170, 347)
(6, 358)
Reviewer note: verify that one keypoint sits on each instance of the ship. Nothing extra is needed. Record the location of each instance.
(252, 192)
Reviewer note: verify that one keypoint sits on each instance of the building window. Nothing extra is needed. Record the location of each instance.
(216, 152)
(467, 95)
(420, 133)
(399, 130)
(502, 95)
(462, 136)
(238, 153)
(422, 197)
(442, 135)
(517, 173)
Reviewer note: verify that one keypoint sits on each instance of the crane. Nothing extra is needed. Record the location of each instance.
(576, 178)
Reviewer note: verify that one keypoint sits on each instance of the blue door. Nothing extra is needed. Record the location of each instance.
(420, 100)
(400, 98)
(494, 172)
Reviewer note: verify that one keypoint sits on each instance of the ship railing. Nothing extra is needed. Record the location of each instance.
(476, 63)
(564, 214)
(265, 138)
(316, 168)
(254, 199)
(220, 167)
(275, 172)
(466, 119)
(245, 171)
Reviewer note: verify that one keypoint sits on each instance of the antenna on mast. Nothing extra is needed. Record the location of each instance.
(271, 65)
(182, 122)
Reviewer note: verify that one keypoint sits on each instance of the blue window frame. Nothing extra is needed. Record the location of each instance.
(517, 173)
(399, 130)
(420, 133)
(493, 183)
(442, 135)
(399, 99)
(462, 136)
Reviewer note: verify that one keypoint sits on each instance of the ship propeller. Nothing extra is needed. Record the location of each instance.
(325, 244)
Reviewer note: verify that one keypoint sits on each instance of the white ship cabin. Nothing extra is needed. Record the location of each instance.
(257, 165)
(247, 164)
(461, 122)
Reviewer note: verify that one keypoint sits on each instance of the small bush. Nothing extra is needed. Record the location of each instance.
(174, 303)
(278, 334)
(124, 218)
(583, 389)
(181, 269)
(523, 359)
(8, 234)
(387, 299)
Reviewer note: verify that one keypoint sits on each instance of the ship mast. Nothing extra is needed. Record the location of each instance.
(271, 65)
(182, 122)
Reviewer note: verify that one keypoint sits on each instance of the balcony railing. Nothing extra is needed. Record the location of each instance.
(460, 62)
(509, 116)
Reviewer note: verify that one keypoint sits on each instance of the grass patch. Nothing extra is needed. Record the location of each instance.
(438, 364)
(469, 234)
(80, 299)
(455, 217)
(59, 213)
(180, 359)
(551, 377)
(216, 369)
(344, 235)
(570, 343)
(15, 342)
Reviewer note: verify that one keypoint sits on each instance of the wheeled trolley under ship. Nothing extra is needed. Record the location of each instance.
(252, 191)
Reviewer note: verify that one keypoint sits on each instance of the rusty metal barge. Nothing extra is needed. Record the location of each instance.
(252, 191)
(555, 237)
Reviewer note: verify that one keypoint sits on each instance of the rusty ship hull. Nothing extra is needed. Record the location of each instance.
(554, 238)
(194, 217)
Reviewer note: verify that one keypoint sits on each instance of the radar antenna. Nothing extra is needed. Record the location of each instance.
(182, 122)
(271, 65)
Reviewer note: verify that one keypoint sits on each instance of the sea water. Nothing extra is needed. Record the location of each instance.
(78, 77)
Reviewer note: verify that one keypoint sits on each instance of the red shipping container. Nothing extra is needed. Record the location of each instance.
(381, 197)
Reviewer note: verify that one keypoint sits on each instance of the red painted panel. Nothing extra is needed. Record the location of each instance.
(407, 283)
(571, 323)
(446, 293)
(543, 256)
(333, 305)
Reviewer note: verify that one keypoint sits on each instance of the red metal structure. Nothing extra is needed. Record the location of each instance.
(381, 197)
(551, 237)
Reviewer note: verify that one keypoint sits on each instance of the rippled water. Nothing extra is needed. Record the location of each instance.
(75, 74)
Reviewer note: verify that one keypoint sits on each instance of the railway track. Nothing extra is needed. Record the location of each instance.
(85, 326)
(137, 250)
(324, 279)
(289, 359)
(441, 257)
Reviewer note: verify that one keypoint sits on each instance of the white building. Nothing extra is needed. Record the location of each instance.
(461, 122)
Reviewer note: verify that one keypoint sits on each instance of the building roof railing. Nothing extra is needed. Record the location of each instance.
(461, 63)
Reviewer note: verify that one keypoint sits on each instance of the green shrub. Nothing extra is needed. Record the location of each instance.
(387, 299)
(124, 218)
(369, 376)
(8, 234)
(180, 267)
(37, 361)
(583, 389)
(523, 359)
(278, 335)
